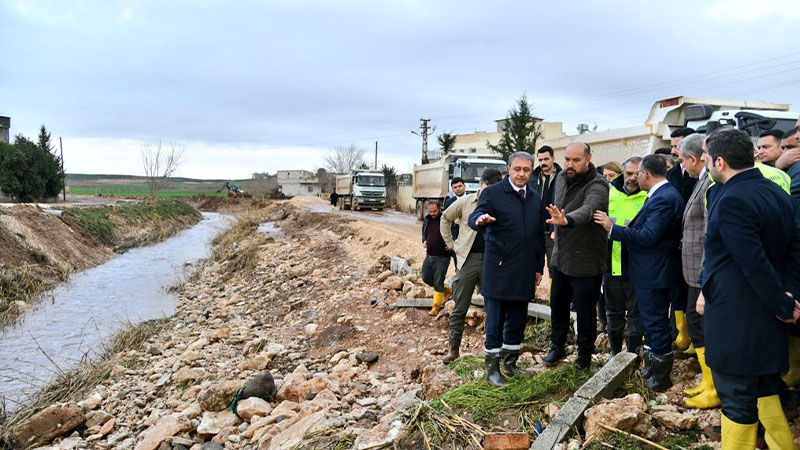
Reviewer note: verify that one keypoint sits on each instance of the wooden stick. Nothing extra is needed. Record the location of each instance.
(631, 435)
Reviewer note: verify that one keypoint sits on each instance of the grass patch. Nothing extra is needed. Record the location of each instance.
(239, 245)
(18, 285)
(126, 191)
(538, 333)
(674, 441)
(466, 366)
(74, 385)
(326, 439)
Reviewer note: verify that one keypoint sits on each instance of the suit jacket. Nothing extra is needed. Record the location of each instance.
(514, 250)
(751, 260)
(694, 232)
(453, 227)
(682, 181)
(651, 240)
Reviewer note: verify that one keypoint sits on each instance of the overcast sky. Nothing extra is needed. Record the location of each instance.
(250, 86)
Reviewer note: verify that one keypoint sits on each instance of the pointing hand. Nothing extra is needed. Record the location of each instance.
(557, 216)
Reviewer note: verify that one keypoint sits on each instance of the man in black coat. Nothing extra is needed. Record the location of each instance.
(650, 243)
(511, 216)
(544, 181)
(750, 272)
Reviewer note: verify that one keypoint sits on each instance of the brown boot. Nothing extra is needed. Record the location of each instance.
(455, 344)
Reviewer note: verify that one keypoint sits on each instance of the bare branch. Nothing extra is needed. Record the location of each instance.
(344, 159)
(160, 164)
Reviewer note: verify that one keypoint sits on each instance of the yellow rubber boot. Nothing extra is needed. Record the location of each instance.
(446, 294)
(776, 428)
(736, 436)
(792, 377)
(708, 398)
(682, 342)
(438, 301)
(691, 350)
(701, 358)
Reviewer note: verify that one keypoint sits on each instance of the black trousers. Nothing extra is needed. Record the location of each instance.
(740, 393)
(434, 270)
(693, 319)
(585, 291)
(622, 310)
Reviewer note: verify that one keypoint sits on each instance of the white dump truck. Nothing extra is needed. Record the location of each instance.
(432, 181)
(701, 114)
(361, 189)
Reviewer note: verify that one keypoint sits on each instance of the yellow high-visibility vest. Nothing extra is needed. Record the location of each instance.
(622, 208)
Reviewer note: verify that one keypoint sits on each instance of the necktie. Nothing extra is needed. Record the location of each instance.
(521, 193)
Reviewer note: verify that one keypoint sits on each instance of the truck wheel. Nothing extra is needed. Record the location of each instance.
(419, 210)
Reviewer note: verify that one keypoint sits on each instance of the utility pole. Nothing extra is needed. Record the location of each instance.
(425, 132)
(376, 155)
(64, 188)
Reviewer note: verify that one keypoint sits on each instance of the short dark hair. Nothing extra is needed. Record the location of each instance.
(457, 180)
(663, 151)
(734, 146)
(682, 132)
(654, 165)
(775, 133)
(491, 176)
(790, 133)
(433, 202)
(546, 149)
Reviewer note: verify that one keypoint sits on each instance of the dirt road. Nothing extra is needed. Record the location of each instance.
(399, 221)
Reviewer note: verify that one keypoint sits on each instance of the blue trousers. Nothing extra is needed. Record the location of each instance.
(739, 394)
(654, 317)
(505, 324)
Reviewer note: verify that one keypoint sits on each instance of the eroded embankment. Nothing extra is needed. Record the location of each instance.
(39, 249)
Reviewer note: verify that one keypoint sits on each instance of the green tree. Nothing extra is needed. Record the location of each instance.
(28, 173)
(363, 166)
(44, 140)
(446, 142)
(521, 131)
(389, 176)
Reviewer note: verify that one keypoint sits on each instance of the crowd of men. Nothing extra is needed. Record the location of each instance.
(693, 251)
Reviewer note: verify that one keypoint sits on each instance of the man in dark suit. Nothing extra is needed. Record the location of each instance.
(748, 277)
(683, 181)
(650, 242)
(511, 216)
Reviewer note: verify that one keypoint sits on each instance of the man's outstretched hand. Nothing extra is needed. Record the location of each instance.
(557, 216)
(484, 220)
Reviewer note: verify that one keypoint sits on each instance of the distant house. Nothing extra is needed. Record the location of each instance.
(298, 182)
(5, 128)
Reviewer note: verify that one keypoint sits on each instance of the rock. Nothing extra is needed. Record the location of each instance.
(254, 346)
(369, 401)
(262, 386)
(382, 435)
(155, 351)
(406, 402)
(393, 283)
(407, 286)
(107, 427)
(398, 318)
(293, 435)
(47, 424)
(95, 418)
(117, 371)
(310, 329)
(290, 390)
(449, 307)
(213, 422)
(675, 420)
(552, 409)
(218, 396)
(367, 357)
(187, 375)
(212, 446)
(164, 429)
(313, 386)
(93, 401)
(627, 414)
(383, 276)
(252, 406)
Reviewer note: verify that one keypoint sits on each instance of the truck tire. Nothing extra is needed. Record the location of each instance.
(346, 205)
(420, 209)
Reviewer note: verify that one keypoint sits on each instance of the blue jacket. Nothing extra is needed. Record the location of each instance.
(651, 241)
(514, 242)
(751, 260)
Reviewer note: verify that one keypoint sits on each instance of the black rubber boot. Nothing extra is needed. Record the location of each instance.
(634, 343)
(509, 363)
(583, 361)
(659, 379)
(615, 339)
(454, 348)
(648, 368)
(554, 356)
(493, 375)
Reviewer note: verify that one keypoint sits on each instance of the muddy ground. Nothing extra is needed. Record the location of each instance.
(347, 367)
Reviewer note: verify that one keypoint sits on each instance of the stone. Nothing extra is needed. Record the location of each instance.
(290, 390)
(393, 283)
(95, 418)
(406, 403)
(163, 430)
(627, 414)
(186, 375)
(293, 435)
(154, 351)
(310, 329)
(506, 441)
(107, 427)
(383, 276)
(552, 409)
(252, 406)
(367, 357)
(407, 286)
(314, 386)
(398, 318)
(212, 446)
(218, 396)
(93, 401)
(48, 424)
(117, 371)
(380, 436)
(262, 386)
(214, 421)
(675, 420)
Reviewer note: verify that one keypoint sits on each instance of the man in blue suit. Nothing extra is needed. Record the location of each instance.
(650, 250)
(511, 216)
(750, 272)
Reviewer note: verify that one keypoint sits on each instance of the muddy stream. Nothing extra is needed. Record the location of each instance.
(74, 320)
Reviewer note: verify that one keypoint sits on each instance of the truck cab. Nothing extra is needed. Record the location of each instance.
(471, 169)
(369, 190)
(704, 119)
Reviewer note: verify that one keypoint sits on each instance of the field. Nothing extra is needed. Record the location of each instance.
(135, 186)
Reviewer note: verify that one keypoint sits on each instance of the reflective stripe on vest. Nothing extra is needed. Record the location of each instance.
(622, 209)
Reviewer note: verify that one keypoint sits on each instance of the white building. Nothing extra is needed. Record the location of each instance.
(298, 182)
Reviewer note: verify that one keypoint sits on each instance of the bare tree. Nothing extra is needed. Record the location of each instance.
(160, 163)
(344, 159)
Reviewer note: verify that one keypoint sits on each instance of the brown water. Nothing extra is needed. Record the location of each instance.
(74, 320)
